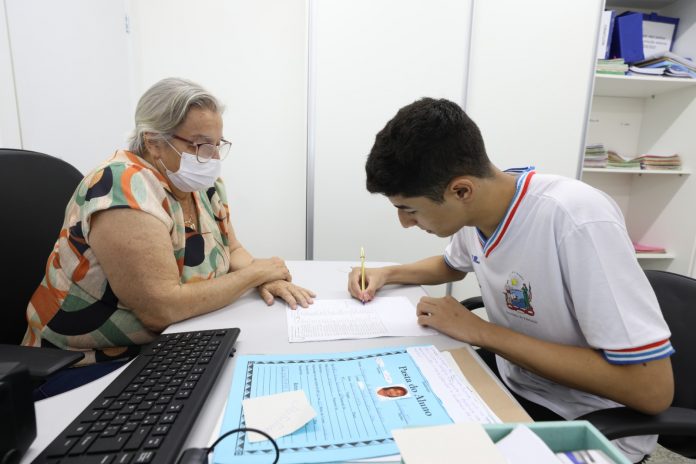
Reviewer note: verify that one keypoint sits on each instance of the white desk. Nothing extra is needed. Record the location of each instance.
(263, 331)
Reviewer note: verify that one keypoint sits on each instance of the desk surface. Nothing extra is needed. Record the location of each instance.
(263, 330)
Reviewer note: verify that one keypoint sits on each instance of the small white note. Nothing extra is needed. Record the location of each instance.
(447, 443)
(277, 415)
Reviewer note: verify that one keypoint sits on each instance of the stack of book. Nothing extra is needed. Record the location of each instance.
(613, 66)
(672, 162)
(642, 248)
(614, 160)
(595, 156)
(669, 63)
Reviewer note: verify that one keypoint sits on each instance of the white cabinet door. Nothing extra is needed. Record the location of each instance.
(72, 77)
(530, 84)
(368, 59)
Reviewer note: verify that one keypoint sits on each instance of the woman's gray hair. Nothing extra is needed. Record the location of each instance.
(164, 106)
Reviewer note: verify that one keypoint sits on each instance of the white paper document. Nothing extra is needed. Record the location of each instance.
(522, 446)
(460, 400)
(277, 415)
(350, 319)
(447, 443)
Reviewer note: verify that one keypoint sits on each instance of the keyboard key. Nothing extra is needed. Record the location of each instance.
(60, 448)
(109, 444)
(161, 429)
(124, 458)
(98, 426)
(168, 418)
(176, 407)
(153, 443)
(144, 457)
(94, 459)
(82, 445)
(92, 415)
(77, 430)
(137, 439)
(110, 431)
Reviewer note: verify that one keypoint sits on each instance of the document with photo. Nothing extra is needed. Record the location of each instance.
(359, 398)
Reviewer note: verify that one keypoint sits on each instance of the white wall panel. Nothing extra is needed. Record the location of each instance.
(251, 55)
(530, 81)
(72, 77)
(370, 59)
(9, 120)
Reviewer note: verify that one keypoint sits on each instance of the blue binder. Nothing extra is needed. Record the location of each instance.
(627, 39)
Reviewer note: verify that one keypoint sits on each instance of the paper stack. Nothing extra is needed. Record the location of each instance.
(614, 160)
(673, 65)
(595, 156)
(672, 162)
(642, 248)
(614, 66)
(647, 162)
(638, 71)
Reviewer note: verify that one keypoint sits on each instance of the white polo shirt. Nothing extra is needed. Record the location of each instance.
(560, 267)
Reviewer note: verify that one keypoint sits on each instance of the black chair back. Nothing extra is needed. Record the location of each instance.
(34, 191)
(677, 297)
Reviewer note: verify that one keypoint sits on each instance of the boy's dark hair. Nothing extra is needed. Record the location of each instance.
(426, 145)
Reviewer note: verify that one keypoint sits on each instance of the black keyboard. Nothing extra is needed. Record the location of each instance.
(145, 414)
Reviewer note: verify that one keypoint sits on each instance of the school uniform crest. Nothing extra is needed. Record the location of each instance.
(518, 294)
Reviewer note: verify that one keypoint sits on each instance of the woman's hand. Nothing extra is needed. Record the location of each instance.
(269, 270)
(291, 293)
(375, 279)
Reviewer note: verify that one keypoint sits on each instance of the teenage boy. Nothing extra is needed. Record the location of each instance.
(574, 322)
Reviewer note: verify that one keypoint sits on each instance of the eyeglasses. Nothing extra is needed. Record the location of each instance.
(207, 151)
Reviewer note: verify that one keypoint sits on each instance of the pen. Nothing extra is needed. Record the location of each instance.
(362, 273)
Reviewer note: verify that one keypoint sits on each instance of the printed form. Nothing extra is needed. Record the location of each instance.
(359, 398)
(350, 319)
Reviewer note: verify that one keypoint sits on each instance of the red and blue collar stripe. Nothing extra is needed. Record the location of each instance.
(523, 180)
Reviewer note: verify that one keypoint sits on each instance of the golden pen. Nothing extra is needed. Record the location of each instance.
(362, 272)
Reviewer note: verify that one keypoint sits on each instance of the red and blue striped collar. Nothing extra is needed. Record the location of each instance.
(523, 180)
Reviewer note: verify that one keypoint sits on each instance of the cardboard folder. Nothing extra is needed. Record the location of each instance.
(503, 404)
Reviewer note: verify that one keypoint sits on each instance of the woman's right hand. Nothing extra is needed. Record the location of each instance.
(269, 269)
(374, 280)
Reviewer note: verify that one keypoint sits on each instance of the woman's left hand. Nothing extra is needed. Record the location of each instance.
(288, 291)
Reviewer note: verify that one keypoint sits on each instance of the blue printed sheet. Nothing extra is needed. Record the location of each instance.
(359, 398)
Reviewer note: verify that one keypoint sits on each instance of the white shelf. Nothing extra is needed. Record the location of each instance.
(655, 255)
(638, 4)
(640, 172)
(607, 85)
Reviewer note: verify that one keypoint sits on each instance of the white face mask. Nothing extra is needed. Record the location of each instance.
(193, 176)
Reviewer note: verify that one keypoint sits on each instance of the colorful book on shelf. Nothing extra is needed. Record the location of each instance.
(613, 66)
(660, 161)
(614, 160)
(642, 248)
(673, 65)
(638, 71)
(605, 31)
(595, 156)
(645, 161)
(667, 57)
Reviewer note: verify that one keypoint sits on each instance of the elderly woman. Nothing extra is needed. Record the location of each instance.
(147, 240)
